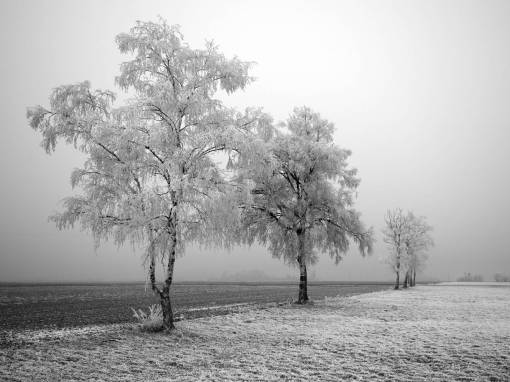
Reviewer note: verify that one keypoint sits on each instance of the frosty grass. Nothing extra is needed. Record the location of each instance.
(428, 333)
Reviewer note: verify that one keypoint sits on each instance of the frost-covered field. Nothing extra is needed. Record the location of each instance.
(429, 333)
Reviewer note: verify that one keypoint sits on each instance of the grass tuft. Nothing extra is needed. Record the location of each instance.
(152, 321)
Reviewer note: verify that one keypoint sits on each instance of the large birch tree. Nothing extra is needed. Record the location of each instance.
(149, 175)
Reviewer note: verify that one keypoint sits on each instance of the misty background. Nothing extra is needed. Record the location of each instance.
(418, 90)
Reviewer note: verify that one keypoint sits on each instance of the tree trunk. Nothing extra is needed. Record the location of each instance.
(406, 280)
(152, 264)
(166, 305)
(164, 292)
(303, 282)
(397, 281)
(414, 277)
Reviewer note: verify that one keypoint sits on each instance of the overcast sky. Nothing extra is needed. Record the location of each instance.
(418, 90)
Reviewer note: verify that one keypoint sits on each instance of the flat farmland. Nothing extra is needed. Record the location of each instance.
(46, 306)
(428, 333)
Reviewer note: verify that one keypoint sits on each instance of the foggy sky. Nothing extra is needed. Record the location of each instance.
(418, 90)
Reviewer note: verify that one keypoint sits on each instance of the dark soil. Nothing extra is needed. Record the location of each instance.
(37, 306)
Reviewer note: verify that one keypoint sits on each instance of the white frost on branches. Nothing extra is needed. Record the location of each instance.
(301, 194)
(149, 173)
(408, 238)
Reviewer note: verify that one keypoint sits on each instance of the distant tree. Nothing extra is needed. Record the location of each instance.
(416, 241)
(468, 277)
(149, 176)
(408, 238)
(301, 194)
(394, 235)
(501, 278)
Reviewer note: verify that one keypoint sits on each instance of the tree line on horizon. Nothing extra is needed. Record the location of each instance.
(153, 173)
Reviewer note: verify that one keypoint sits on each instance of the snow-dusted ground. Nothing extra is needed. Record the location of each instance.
(428, 333)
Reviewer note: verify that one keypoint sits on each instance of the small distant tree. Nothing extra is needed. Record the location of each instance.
(149, 175)
(394, 235)
(501, 278)
(301, 194)
(468, 277)
(417, 241)
(408, 238)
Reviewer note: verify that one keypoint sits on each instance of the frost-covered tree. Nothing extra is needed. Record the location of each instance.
(417, 241)
(149, 177)
(468, 277)
(501, 278)
(394, 235)
(301, 194)
(407, 238)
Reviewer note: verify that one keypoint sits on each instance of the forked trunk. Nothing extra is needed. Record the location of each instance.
(164, 291)
(303, 281)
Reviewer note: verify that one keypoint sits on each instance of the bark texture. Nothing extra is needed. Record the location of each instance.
(164, 291)
(166, 304)
(397, 281)
(303, 281)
